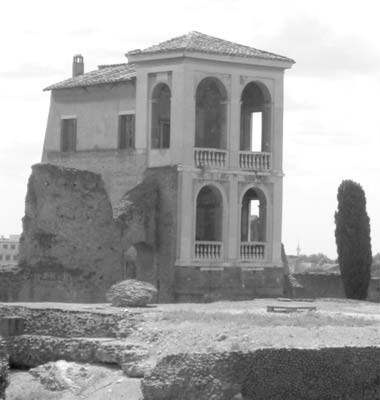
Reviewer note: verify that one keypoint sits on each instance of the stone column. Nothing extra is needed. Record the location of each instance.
(277, 221)
(186, 217)
(234, 128)
(233, 234)
(188, 133)
(178, 115)
(277, 125)
(142, 110)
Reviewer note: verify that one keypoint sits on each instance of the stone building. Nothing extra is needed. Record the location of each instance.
(9, 250)
(202, 118)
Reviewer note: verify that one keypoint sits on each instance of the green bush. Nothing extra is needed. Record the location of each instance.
(352, 235)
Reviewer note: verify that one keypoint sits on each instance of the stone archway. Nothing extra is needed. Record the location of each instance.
(255, 116)
(140, 263)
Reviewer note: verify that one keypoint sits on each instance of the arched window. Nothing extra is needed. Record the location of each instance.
(209, 215)
(255, 118)
(160, 134)
(210, 129)
(253, 216)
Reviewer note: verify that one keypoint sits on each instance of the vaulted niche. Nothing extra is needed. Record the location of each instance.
(253, 216)
(255, 116)
(209, 214)
(160, 137)
(211, 121)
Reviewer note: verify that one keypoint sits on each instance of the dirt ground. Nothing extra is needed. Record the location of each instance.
(221, 326)
(224, 326)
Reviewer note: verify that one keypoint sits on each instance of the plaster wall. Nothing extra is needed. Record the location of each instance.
(96, 109)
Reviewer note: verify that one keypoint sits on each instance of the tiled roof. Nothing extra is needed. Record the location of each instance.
(199, 42)
(105, 74)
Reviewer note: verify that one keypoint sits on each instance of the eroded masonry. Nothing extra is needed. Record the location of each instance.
(185, 145)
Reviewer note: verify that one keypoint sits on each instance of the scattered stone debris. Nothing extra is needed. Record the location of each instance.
(64, 375)
(131, 293)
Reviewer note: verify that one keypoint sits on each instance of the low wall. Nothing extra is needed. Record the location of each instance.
(231, 283)
(313, 285)
(318, 285)
(346, 373)
(82, 333)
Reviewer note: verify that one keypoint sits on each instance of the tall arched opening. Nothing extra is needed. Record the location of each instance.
(209, 223)
(211, 114)
(253, 216)
(255, 116)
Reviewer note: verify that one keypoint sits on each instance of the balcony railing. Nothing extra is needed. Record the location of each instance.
(211, 158)
(252, 251)
(250, 161)
(208, 251)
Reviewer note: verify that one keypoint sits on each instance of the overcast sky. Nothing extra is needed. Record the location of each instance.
(332, 93)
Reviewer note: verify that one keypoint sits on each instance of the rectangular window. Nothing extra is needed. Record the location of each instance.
(5, 246)
(15, 257)
(68, 134)
(126, 131)
(7, 257)
(13, 246)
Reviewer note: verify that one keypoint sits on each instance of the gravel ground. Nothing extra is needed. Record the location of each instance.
(225, 326)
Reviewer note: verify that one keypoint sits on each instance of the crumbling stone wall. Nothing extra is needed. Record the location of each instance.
(74, 245)
(3, 368)
(81, 321)
(347, 373)
(148, 217)
(70, 248)
(121, 170)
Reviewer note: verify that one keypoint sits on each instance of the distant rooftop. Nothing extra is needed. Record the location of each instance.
(199, 42)
(104, 74)
(14, 238)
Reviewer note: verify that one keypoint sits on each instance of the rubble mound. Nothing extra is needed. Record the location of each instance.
(63, 375)
(131, 293)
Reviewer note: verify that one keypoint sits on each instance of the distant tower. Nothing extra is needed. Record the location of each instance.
(298, 258)
(78, 65)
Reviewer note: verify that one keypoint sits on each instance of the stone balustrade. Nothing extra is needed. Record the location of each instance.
(251, 161)
(252, 251)
(208, 250)
(211, 158)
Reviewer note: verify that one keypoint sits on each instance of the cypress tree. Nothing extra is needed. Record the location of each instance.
(352, 235)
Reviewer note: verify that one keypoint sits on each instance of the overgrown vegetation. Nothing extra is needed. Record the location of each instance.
(352, 234)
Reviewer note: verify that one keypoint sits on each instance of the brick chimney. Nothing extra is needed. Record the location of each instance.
(78, 65)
